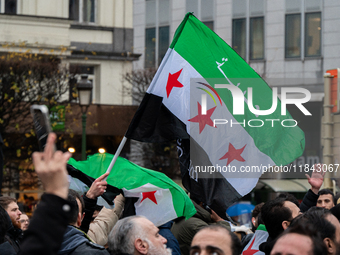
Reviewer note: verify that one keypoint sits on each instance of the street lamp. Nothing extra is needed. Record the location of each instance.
(84, 87)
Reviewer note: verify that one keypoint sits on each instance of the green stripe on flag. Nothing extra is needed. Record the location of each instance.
(202, 48)
(128, 175)
(261, 227)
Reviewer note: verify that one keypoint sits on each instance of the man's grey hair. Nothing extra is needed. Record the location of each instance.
(124, 234)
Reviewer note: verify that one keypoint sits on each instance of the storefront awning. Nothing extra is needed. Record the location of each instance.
(290, 185)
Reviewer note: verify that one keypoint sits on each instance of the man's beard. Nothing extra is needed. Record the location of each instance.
(337, 246)
(158, 251)
(16, 224)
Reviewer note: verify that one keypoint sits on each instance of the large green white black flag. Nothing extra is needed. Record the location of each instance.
(192, 96)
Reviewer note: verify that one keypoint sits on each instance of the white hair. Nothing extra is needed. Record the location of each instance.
(123, 235)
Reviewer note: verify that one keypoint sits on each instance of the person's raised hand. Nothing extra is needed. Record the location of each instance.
(50, 167)
(316, 179)
(98, 187)
(215, 217)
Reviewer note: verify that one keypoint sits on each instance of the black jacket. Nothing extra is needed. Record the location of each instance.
(90, 206)
(47, 227)
(7, 249)
(13, 235)
(309, 200)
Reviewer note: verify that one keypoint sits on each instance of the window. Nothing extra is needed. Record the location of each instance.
(8, 6)
(313, 34)
(303, 28)
(203, 10)
(82, 10)
(157, 31)
(293, 35)
(150, 47)
(256, 38)
(239, 37)
(248, 29)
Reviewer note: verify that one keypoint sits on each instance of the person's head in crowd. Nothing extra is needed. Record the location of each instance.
(326, 224)
(24, 221)
(301, 238)
(79, 206)
(326, 199)
(255, 215)
(137, 235)
(277, 215)
(4, 224)
(289, 197)
(12, 208)
(215, 239)
(336, 211)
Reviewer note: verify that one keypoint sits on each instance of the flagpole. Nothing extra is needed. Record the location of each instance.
(113, 161)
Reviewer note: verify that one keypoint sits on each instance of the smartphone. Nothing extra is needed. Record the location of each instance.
(41, 122)
(206, 207)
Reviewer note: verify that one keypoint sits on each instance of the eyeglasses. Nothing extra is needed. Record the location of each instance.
(22, 221)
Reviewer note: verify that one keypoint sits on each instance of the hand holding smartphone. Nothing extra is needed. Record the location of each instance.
(42, 126)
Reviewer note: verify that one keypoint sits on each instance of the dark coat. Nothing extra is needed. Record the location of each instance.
(77, 243)
(309, 200)
(184, 230)
(172, 243)
(7, 249)
(13, 235)
(47, 227)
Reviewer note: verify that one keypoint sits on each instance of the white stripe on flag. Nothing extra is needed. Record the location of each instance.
(159, 213)
(214, 141)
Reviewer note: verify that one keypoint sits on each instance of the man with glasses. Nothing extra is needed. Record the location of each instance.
(24, 220)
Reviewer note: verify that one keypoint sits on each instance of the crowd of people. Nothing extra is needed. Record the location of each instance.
(66, 222)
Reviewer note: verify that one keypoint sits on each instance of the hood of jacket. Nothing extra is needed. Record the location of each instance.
(13, 232)
(73, 237)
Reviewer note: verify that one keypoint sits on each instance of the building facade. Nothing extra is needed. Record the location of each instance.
(97, 35)
(289, 43)
(93, 37)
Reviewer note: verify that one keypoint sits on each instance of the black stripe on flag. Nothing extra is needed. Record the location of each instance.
(111, 191)
(210, 188)
(154, 123)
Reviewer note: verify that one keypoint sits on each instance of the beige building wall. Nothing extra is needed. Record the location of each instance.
(35, 31)
(122, 10)
(47, 8)
(108, 84)
(43, 27)
(79, 35)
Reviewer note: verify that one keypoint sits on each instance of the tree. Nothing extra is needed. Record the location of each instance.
(161, 157)
(26, 78)
(140, 81)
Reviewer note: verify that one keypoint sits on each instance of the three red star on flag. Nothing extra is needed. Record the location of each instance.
(150, 195)
(173, 82)
(233, 154)
(203, 119)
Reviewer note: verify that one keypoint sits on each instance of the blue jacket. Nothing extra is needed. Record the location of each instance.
(76, 243)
